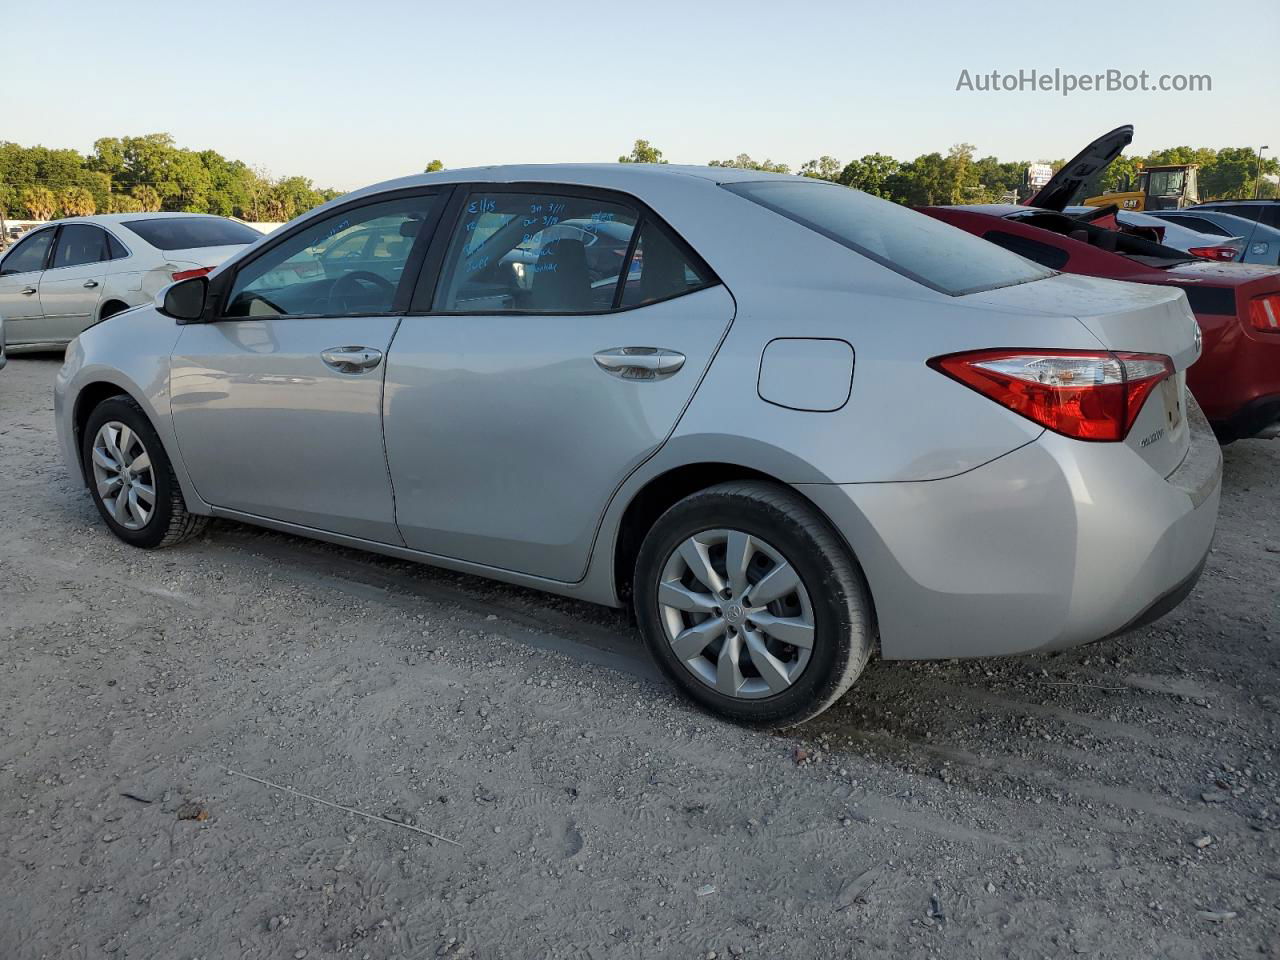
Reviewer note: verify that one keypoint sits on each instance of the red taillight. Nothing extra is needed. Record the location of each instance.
(1214, 253)
(188, 274)
(1083, 394)
(1264, 313)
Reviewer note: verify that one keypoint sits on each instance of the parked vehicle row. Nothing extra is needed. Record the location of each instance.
(790, 424)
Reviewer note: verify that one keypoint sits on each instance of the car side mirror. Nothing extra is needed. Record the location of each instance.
(184, 300)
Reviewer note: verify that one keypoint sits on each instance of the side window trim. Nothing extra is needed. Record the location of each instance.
(413, 265)
(427, 290)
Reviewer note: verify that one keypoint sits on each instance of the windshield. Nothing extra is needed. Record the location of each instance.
(917, 246)
(183, 233)
(1167, 183)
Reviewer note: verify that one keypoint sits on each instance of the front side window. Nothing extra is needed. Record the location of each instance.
(28, 256)
(533, 252)
(928, 251)
(350, 262)
(79, 243)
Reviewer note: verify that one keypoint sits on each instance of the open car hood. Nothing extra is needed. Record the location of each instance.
(1081, 169)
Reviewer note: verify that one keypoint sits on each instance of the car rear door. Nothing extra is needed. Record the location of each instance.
(277, 403)
(72, 286)
(20, 272)
(565, 335)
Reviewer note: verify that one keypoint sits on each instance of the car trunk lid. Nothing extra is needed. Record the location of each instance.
(1082, 169)
(1127, 318)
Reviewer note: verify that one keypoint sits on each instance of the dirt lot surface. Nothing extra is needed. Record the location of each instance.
(1121, 800)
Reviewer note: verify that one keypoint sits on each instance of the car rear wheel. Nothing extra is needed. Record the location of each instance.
(131, 479)
(752, 605)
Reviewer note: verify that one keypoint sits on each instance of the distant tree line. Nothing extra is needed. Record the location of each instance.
(961, 177)
(147, 173)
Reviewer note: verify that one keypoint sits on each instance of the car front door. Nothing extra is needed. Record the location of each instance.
(20, 272)
(563, 338)
(277, 402)
(72, 286)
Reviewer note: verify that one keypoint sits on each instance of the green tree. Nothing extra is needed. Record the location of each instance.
(148, 198)
(38, 202)
(643, 152)
(76, 202)
(869, 173)
(123, 203)
(824, 168)
(435, 166)
(743, 162)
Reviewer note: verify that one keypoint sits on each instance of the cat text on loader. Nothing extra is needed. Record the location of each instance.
(1168, 186)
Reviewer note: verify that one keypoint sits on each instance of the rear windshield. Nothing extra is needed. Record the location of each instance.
(928, 251)
(183, 233)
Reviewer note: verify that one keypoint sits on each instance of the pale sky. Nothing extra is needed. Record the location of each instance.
(350, 93)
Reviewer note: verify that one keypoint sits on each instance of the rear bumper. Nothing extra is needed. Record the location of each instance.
(1056, 544)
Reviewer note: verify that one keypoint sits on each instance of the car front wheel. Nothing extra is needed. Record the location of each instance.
(131, 479)
(751, 604)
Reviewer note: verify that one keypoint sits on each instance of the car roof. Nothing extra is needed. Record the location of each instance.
(124, 218)
(618, 176)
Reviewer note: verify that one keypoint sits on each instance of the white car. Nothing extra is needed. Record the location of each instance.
(64, 277)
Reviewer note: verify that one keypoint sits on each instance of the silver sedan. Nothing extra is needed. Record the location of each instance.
(791, 424)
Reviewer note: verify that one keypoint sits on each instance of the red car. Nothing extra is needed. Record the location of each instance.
(1237, 378)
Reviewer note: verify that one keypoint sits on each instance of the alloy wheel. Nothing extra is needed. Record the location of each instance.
(123, 475)
(736, 613)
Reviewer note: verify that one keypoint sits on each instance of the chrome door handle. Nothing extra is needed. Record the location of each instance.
(639, 363)
(29, 291)
(90, 284)
(352, 359)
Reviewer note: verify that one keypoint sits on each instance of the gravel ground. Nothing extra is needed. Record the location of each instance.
(1120, 800)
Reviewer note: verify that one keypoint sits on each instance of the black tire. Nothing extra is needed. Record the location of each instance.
(170, 522)
(843, 616)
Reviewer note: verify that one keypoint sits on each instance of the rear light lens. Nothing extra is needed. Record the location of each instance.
(1264, 313)
(1082, 394)
(1214, 253)
(188, 274)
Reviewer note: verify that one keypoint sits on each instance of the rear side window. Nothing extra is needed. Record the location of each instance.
(115, 249)
(928, 251)
(184, 233)
(536, 253)
(28, 256)
(661, 269)
(78, 244)
(1042, 253)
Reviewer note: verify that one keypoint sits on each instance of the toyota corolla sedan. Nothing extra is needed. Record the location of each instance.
(796, 425)
(61, 278)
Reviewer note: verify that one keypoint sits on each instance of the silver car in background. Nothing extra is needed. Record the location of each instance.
(65, 276)
(789, 423)
(1261, 243)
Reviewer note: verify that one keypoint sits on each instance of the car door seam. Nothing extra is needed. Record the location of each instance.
(382, 428)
